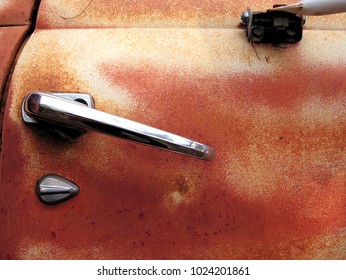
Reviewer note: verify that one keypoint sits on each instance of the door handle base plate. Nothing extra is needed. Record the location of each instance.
(83, 98)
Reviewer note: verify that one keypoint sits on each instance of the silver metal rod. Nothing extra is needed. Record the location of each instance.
(314, 7)
(45, 107)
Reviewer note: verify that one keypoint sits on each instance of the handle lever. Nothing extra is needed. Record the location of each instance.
(58, 110)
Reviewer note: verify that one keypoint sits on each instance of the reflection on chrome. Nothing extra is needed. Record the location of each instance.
(58, 110)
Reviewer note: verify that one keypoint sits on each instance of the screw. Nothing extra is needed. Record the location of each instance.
(245, 17)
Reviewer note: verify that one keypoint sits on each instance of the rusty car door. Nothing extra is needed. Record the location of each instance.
(275, 117)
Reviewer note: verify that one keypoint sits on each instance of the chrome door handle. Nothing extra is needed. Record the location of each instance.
(58, 110)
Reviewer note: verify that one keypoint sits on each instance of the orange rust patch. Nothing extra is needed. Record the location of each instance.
(51, 74)
(123, 212)
(274, 190)
(300, 148)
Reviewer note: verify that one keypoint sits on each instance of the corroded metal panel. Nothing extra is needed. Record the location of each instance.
(276, 118)
(15, 19)
(16, 12)
(11, 39)
(159, 14)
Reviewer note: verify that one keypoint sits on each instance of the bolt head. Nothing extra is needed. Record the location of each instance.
(245, 17)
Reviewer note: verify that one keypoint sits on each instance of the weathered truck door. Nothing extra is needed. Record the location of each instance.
(275, 117)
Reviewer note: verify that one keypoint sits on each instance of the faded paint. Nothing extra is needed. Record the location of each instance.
(161, 14)
(4, 4)
(15, 20)
(276, 118)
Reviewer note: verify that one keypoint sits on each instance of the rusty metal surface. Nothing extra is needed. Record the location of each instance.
(16, 12)
(157, 13)
(15, 19)
(10, 38)
(276, 117)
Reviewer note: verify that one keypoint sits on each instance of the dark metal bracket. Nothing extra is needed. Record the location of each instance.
(274, 27)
